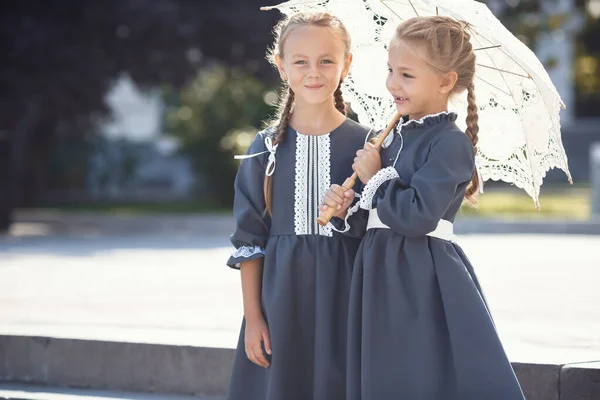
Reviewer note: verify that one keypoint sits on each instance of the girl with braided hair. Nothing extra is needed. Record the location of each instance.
(296, 274)
(419, 327)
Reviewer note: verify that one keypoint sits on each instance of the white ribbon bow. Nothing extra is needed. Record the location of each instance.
(270, 149)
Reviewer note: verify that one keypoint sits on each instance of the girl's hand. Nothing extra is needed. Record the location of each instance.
(257, 332)
(367, 162)
(339, 199)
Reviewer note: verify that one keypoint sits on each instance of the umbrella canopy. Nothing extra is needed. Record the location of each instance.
(519, 136)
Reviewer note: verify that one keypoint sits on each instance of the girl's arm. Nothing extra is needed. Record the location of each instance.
(250, 239)
(414, 208)
(366, 164)
(257, 332)
(251, 273)
(252, 224)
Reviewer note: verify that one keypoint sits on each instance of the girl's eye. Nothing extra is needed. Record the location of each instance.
(300, 62)
(327, 62)
(407, 76)
(389, 70)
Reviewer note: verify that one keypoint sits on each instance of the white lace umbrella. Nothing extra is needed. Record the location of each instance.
(519, 136)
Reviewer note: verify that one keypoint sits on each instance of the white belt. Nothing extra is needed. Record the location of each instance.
(444, 229)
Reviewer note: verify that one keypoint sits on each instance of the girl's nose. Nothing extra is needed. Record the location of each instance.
(393, 84)
(313, 69)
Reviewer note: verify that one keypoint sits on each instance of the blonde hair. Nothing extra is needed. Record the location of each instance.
(286, 102)
(444, 43)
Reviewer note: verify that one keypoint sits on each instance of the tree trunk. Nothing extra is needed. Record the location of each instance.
(35, 172)
(21, 138)
(6, 183)
(12, 145)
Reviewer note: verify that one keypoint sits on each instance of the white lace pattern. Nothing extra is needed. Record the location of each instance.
(301, 186)
(312, 179)
(324, 172)
(421, 121)
(518, 105)
(247, 251)
(384, 175)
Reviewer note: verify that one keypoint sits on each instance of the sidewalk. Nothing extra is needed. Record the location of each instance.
(177, 291)
(162, 312)
(76, 224)
(91, 224)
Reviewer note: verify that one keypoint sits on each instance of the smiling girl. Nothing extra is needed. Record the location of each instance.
(419, 327)
(296, 274)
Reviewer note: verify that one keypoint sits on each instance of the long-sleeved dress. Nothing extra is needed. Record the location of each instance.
(419, 326)
(306, 268)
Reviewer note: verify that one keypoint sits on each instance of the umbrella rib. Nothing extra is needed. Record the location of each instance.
(494, 86)
(505, 71)
(392, 11)
(479, 35)
(489, 47)
(529, 156)
(508, 55)
(413, 7)
(543, 102)
(513, 60)
(282, 5)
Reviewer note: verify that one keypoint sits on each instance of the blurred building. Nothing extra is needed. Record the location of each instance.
(132, 159)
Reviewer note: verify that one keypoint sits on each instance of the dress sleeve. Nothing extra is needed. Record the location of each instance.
(252, 223)
(355, 222)
(414, 208)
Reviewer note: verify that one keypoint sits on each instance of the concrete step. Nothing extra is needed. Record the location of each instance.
(102, 365)
(199, 371)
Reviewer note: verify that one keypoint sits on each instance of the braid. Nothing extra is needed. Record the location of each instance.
(445, 45)
(286, 114)
(275, 55)
(472, 132)
(339, 100)
(284, 120)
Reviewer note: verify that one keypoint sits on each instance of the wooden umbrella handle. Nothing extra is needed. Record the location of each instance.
(381, 138)
(325, 216)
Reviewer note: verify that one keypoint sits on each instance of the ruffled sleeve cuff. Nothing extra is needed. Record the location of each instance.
(384, 175)
(342, 225)
(243, 254)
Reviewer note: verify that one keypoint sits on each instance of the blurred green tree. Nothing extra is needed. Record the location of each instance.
(214, 118)
(60, 57)
(526, 20)
(587, 65)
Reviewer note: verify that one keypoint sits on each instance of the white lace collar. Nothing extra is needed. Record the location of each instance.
(427, 120)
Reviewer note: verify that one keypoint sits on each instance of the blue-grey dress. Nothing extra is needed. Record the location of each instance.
(419, 327)
(306, 270)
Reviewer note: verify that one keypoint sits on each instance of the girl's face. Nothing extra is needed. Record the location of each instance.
(418, 90)
(314, 62)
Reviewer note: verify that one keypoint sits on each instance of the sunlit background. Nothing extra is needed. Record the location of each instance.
(119, 120)
(130, 106)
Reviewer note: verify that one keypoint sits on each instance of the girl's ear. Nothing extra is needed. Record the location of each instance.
(280, 67)
(448, 81)
(347, 66)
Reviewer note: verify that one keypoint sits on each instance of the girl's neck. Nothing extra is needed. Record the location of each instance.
(311, 119)
(419, 116)
(432, 110)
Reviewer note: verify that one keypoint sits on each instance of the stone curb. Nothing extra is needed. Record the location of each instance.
(200, 371)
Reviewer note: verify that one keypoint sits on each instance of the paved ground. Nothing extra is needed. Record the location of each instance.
(543, 290)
